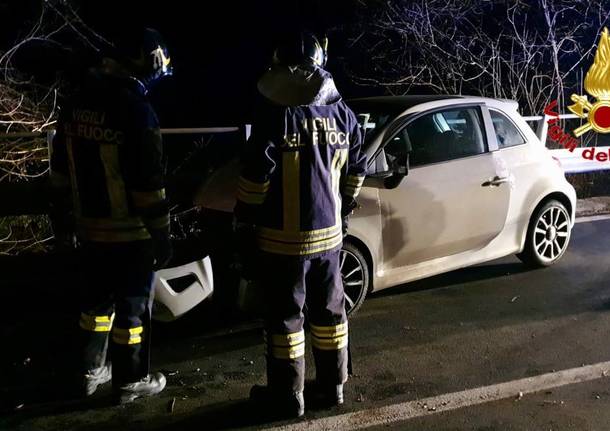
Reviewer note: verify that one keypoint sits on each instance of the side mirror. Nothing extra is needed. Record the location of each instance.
(392, 167)
(389, 179)
(400, 171)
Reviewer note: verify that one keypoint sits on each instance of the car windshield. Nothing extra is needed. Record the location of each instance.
(373, 121)
(373, 117)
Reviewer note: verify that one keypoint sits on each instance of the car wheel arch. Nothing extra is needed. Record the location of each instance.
(366, 252)
(558, 196)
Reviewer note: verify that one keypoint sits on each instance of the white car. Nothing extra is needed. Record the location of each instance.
(453, 181)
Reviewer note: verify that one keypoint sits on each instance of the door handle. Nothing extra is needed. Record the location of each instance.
(496, 181)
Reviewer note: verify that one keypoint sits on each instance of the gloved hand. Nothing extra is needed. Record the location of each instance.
(162, 249)
(245, 245)
(62, 223)
(244, 234)
(344, 225)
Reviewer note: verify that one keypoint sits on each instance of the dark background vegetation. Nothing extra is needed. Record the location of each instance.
(533, 52)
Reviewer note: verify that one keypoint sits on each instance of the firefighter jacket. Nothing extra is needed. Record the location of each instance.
(108, 149)
(302, 164)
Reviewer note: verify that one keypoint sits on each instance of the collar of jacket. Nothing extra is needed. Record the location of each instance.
(298, 86)
(119, 79)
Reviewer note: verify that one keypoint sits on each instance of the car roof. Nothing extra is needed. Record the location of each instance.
(398, 104)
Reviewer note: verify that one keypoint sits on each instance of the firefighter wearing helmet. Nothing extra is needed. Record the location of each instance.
(302, 171)
(108, 152)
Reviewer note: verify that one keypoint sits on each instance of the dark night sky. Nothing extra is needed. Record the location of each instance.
(218, 48)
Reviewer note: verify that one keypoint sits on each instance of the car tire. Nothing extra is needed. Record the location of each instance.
(355, 276)
(548, 235)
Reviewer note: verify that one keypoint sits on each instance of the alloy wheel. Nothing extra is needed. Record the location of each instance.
(352, 275)
(551, 233)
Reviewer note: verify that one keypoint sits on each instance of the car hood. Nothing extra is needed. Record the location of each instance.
(219, 189)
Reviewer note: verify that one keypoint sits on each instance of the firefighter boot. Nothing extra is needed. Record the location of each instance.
(325, 396)
(276, 405)
(95, 378)
(150, 385)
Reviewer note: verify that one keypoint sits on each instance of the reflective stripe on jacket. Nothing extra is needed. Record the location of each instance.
(302, 163)
(108, 145)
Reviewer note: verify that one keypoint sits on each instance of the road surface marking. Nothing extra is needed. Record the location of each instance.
(447, 402)
(592, 218)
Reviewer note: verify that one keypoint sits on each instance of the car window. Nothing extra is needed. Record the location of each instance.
(507, 133)
(371, 122)
(439, 136)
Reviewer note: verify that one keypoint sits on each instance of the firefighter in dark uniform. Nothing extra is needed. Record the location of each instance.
(302, 170)
(108, 151)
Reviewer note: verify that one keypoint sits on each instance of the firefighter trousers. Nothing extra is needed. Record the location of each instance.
(116, 308)
(296, 289)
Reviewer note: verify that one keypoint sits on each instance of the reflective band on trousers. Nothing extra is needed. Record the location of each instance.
(96, 323)
(297, 249)
(286, 346)
(127, 336)
(252, 192)
(329, 337)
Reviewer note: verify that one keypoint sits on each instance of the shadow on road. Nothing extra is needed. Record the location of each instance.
(460, 276)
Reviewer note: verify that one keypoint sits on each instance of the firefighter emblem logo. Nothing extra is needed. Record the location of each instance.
(597, 84)
(160, 61)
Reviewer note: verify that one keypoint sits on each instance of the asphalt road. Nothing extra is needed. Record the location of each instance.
(481, 326)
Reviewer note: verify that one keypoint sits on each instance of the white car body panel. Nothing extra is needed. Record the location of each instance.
(175, 304)
(441, 218)
(475, 233)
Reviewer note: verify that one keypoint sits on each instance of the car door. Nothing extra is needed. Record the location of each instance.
(456, 196)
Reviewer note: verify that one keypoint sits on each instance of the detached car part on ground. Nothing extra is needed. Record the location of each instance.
(178, 289)
(480, 186)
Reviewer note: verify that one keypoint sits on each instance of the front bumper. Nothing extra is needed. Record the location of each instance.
(170, 303)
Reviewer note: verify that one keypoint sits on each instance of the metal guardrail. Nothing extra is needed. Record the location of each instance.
(22, 197)
(572, 162)
(32, 197)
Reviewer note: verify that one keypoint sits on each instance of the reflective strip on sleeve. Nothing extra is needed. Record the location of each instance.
(96, 323)
(250, 192)
(286, 346)
(250, 198)
(353, 185)
(329, 337)
(147, 199)
(355, 180)
(158, 222)
(251, 186)
(127, 336)
(110, 224)
(112, 230)
(351, 191)
(118, 236)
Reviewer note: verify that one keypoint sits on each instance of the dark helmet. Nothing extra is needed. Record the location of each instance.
(304, 48)
(146, 56)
